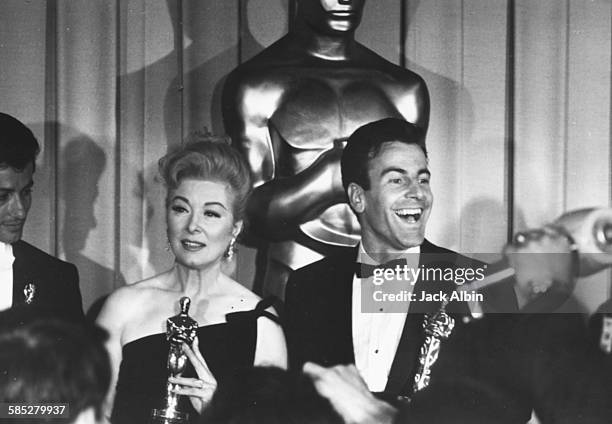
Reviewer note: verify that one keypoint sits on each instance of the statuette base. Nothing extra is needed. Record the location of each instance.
(168, 416)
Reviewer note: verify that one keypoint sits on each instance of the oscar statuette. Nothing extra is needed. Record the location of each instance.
(437, 326)
(180, 329)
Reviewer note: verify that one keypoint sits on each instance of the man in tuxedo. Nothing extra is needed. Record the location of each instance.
(330, 316)
(520, 362)
(31, 281)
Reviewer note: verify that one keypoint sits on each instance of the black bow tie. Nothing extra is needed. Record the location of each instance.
(366, 271)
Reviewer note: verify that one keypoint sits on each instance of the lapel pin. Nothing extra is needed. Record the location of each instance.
(29, 292)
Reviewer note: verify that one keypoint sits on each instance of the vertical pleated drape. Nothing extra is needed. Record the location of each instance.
(519, 133)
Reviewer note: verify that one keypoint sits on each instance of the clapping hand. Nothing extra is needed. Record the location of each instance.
(348, 394)
(200, 390)
(543, 260)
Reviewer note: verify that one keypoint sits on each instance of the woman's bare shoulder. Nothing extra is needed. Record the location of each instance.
(240, 297)
(130, 299)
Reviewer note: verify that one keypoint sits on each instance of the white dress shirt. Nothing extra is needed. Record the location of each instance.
(6, 276)
(377, 335)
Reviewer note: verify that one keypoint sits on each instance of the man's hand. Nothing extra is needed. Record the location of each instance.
(347, 392)
(543, 260)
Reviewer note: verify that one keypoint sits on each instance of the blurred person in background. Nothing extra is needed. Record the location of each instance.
(269, 395)
(54, 362)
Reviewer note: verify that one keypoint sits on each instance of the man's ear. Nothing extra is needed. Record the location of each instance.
(356, 197)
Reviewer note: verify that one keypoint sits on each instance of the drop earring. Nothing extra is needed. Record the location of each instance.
(231, 248)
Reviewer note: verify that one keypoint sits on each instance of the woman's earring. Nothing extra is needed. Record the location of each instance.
(231, 248)
(168, 248)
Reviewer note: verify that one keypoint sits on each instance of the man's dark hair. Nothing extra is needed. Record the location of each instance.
(53, 361)
(18, 146)
(366, 142)
(268, 395)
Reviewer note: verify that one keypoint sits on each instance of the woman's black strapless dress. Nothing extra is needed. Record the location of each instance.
(227, 348)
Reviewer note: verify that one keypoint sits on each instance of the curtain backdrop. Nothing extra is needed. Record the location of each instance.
(519, 133)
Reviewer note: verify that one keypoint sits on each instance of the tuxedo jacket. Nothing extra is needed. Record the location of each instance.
(502, 366)
(55, 285)
(318, 313)
(519, 363)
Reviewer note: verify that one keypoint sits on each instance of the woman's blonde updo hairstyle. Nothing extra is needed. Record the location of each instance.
(210, 158)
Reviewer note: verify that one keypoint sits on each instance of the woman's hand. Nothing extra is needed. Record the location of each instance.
(200, 390)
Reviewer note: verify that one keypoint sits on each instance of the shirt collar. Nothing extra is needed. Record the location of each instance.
(6, 255)
(363, 257)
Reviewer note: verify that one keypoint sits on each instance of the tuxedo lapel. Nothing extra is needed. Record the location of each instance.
(404, 363)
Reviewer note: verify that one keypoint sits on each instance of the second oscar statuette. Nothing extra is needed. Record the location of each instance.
(180, 329)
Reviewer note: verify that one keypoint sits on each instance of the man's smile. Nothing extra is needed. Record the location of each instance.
(411, 215)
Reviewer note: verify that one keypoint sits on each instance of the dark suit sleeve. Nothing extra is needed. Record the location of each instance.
(499, 297)
(292, 321)
(569, 378)
(318, 313)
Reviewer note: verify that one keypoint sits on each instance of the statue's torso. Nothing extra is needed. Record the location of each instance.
(318, 103)
(320, 107)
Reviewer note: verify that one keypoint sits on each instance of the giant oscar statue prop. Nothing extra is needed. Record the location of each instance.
(289, 109)
(179, 329)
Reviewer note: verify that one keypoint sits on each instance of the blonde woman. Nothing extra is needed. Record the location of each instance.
(208, 184)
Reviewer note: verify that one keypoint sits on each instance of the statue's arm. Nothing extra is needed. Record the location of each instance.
(278, 204)
(413, 100)
(422, 104)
